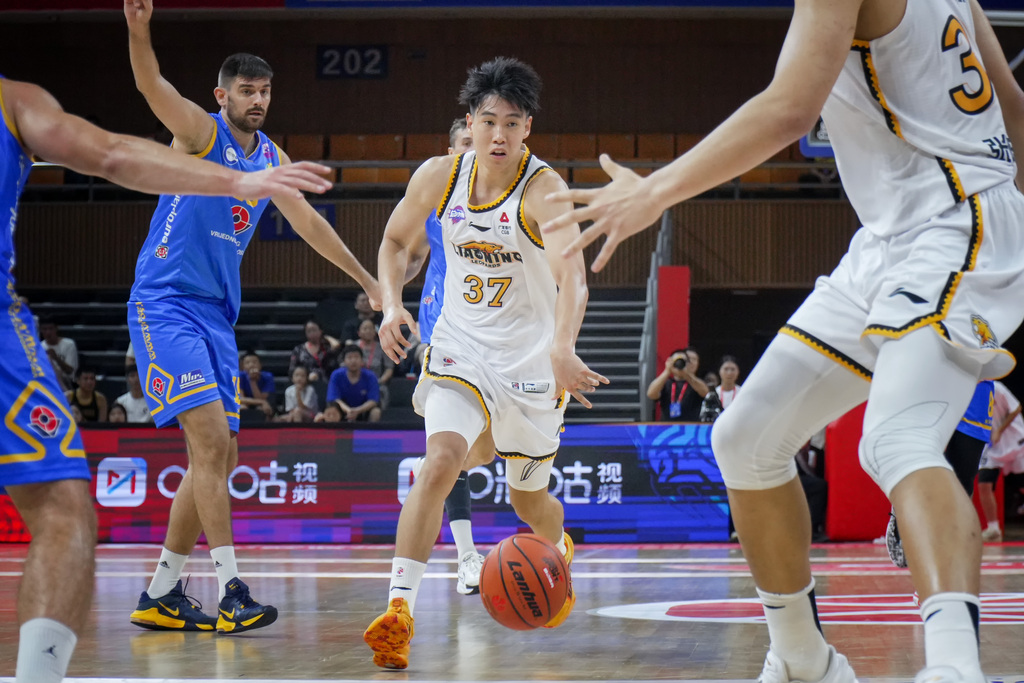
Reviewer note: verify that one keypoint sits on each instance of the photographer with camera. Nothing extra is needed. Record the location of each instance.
(678, 389)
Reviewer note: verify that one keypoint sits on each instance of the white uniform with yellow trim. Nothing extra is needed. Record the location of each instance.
(926, 162)
(494, 335)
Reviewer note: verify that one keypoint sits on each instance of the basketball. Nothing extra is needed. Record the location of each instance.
(524, 582)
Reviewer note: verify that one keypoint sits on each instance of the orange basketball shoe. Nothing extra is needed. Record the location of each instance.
(389, 635)
(570, 597)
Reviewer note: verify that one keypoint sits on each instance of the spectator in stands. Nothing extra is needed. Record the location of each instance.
(350, 331)
(332, 413)
(355, 388)
(133, 401)
(256, 386)
(300, 401)
(90, 402)
(678, 389)
(318, 354)
(63, 352)
(728, 387)
(117, 414)
(376, 361)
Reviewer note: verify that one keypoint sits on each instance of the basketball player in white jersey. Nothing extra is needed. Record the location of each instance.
(914, 94)
(502, 352)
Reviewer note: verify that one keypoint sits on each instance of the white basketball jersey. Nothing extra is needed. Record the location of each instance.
(915, 122)
(499, 293)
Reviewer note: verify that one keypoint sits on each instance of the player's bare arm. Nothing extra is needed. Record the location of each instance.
(571, 373)
(1011, 97)
(403, 239)
(417, 257)
(319, 234)
(191, 126)
(811, 59)
(51, 134)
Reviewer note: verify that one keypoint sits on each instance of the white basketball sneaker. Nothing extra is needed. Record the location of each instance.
(839, 670)
(470, 565)
(947, 674)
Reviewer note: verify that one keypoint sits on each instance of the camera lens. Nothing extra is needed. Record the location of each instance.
(679, 364)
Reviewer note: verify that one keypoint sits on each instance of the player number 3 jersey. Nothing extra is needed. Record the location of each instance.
(499, 291)
(915, 122)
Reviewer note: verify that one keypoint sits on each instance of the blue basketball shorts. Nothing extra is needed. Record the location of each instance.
(39, 440)
(187, 357)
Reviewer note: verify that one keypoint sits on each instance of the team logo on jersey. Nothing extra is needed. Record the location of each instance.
(267, 154)
(230, 155)
(161, 251)
(487, 254)
(428, 299)
(44, 421)
(240, 217)
(190, 379)
(983, 332)
(447, 361)
(515, 385)
(504, 217)
(456, 214)
(159, 386)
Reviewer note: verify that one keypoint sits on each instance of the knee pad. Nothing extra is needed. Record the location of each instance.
(750, 457)
(911, 440)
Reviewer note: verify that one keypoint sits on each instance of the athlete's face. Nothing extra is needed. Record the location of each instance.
(498, 129)
(462, 142)
(246, 102)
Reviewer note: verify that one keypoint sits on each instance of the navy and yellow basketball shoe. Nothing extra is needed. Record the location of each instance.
(172, 612)
(238, 612)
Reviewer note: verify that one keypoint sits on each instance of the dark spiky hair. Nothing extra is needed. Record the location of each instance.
(243, 65)
(506, 77)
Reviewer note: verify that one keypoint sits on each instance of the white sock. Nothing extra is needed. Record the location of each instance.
(406, 576)
(44, 651)
(794, 633)
(993, 525)
(227, 568)
(951, 631)
(168, 571)
(462, 532)
(562, 548)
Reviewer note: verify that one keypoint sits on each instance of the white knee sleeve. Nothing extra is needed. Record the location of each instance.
(920, 391)
(792, 392)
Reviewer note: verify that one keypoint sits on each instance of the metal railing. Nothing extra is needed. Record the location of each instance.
(648, 358)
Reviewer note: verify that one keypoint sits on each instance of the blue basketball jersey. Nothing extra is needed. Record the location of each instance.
(39, 440)
(195, 244)
(433, 285)
(13, 173)
(977, 421)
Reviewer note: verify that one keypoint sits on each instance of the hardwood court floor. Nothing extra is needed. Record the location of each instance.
(643, 613)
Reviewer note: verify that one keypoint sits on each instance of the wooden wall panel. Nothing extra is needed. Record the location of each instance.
(727, 244)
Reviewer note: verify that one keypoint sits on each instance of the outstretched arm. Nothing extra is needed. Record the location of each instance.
(192, 127)
(571, 373)
(49, 133)
(812, 57)
(321, 235)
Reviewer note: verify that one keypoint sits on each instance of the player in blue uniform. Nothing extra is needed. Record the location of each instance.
(181, 314)
(42, 461)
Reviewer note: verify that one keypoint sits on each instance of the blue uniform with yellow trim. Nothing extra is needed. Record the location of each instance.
(40, 441)
(187, 290)
(432, 298)
(977, 421)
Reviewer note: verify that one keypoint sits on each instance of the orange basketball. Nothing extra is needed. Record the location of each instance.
(524, 582)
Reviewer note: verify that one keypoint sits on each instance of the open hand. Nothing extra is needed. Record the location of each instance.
(573, 375)
(290, 179)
